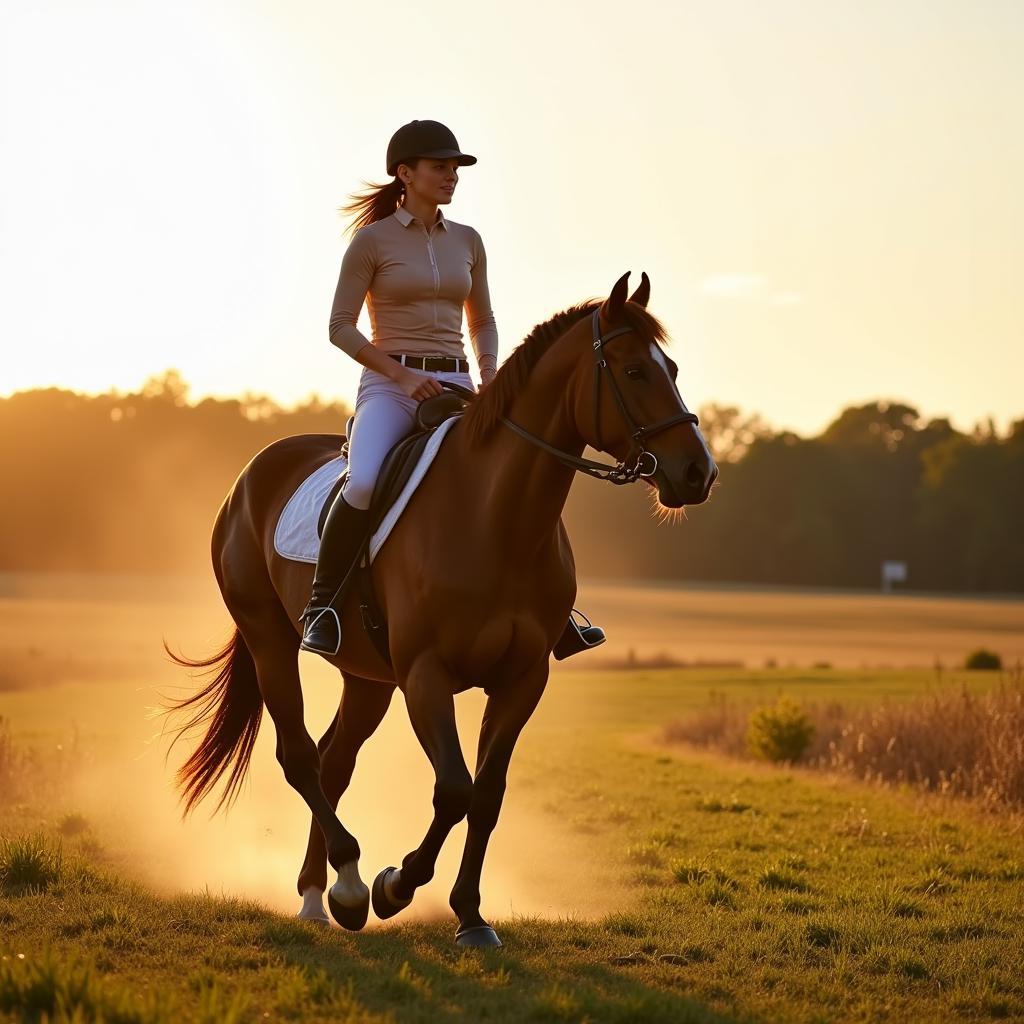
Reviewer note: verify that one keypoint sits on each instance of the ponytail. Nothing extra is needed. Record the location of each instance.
(378, 202)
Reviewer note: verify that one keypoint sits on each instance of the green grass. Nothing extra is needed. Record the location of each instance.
(28, 864)
(754, 894)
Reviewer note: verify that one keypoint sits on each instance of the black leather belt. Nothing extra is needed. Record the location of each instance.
(442, 364)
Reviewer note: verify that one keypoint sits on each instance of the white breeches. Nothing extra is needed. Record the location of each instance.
(384, 414)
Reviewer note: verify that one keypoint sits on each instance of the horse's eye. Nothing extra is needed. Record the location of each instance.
(634, 373)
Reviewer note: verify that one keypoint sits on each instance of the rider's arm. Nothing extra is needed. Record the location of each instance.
(357, 269)
(483, 331)
(415, 385)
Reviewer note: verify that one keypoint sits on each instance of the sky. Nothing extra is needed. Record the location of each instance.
(825, 195)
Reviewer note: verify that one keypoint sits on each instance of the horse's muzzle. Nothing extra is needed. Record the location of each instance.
(685, 483)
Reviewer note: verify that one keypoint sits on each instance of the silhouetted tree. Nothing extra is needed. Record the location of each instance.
(134, 481)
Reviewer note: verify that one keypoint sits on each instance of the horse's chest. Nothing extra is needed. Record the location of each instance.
(493, 630)
(527, 597)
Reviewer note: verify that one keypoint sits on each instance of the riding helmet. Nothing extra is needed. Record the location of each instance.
(424, 138)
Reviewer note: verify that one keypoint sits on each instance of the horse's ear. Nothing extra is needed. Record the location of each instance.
(616, 300)
(643, 291)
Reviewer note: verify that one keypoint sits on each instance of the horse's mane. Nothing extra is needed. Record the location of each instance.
(485, 412)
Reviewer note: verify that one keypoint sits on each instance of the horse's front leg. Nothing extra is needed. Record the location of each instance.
(429, 696)
(507, 711)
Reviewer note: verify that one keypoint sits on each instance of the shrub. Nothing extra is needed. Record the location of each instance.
(73, 824)
(983, 659)
(953, 741)
(780, 733)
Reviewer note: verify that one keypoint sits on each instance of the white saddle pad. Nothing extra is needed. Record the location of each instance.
(295, 536)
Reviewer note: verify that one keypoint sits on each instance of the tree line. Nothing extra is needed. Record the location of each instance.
(133, 481)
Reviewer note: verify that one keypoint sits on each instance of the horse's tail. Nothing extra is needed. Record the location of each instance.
(230, 706)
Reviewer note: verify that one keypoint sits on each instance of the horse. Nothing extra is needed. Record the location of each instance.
(480, 604)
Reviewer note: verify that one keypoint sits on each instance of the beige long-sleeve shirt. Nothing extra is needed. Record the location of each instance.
(415, 283)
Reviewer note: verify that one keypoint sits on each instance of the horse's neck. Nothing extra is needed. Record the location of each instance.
(523, 487)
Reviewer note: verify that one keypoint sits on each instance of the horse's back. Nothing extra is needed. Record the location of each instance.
(297, 451)
(244, 530)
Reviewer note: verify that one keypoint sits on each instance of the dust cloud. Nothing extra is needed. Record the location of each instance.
(256, 849)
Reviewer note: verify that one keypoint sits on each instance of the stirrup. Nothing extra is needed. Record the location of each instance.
(576, 638)
(320, 644)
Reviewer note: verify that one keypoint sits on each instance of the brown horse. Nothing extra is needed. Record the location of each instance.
(476, 581)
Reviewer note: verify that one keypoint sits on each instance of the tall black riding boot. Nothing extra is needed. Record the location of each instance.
(343, 534)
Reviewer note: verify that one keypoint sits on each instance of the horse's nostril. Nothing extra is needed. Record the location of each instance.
(694, 475)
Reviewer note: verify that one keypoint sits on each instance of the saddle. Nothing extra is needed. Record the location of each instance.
(394, 473)
(399, 463)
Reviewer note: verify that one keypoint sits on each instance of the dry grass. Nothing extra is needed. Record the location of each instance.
(16, 765)
(634, 662)
(722, 725)
(35, 774)
(955, 742)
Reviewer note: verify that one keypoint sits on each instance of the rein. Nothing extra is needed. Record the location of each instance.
(623, 472)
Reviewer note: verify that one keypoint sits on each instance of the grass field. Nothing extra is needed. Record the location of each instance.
(630, 881)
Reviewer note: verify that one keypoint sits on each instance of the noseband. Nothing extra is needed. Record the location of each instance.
(639, 462)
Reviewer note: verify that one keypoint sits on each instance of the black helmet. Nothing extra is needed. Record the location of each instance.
(424, 138)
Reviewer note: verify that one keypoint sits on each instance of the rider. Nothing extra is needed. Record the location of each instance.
(416, 270)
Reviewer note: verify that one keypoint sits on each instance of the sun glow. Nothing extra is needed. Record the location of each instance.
(827, 205)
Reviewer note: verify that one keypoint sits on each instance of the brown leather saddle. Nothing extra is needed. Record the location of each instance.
(399, 463)
(394, 473)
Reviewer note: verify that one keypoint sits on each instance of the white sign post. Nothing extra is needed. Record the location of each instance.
(893, 572)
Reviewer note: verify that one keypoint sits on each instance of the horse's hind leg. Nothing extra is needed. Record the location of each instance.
(312, 892)
(363, 705)
(274, 644)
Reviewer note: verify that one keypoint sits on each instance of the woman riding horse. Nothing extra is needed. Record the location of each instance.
(416, 270)
(483, 606)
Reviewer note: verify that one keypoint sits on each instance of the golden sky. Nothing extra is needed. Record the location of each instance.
(826, 195)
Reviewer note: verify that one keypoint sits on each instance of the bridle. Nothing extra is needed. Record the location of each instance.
(631, 468)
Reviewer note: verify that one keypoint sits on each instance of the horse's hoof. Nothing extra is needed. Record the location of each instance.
(351, 914)
(383, 906)
(480, 936)
(312, 911)
(351, 917)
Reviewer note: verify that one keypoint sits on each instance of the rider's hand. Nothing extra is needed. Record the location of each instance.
(486, 376)
(417, 386)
